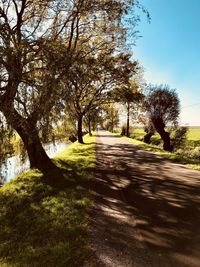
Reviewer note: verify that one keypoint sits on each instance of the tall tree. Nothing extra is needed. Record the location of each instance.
(36, 38)
(28, 31)
(129, 96)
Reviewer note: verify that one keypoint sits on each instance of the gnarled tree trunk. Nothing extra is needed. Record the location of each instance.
(166, 140)
(36, 153)
(28, 132)
(160, 128)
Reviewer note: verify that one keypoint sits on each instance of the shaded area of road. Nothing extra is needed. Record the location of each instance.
(146, 209)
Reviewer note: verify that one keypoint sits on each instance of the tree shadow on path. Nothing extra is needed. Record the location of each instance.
(146, 209)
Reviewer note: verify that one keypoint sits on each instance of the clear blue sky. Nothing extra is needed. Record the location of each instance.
(170, 50)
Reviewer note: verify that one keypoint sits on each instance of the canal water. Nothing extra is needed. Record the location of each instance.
(14, 166)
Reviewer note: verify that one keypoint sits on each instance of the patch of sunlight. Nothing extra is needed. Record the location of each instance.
(113, 200)
(187, 260)
(114, 213)
(155, 239)
(122, 182)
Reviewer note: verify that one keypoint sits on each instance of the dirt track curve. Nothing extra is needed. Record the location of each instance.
(146, 209)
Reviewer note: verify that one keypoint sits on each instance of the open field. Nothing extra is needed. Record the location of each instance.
(193, 136)
(194, 133)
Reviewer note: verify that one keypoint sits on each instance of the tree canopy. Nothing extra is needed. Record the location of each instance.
(45, 47)
(163, 108)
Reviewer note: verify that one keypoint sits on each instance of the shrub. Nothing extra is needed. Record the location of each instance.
(179, 138)
(189, 152)
(196, 153)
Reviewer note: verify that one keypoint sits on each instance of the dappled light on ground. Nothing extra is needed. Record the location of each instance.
(147, 208)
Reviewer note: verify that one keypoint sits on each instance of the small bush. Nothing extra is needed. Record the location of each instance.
(196, 153)
(189, 152)
(179, 138)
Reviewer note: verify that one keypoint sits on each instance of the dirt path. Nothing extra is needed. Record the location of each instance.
(146, 209)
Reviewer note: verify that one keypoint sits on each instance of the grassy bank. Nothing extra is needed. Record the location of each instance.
(191, 163)
(192, 142)
(43, 217)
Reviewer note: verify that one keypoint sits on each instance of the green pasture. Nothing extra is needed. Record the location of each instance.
(193, 135)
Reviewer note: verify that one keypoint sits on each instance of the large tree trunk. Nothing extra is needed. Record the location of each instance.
(80, 133)
(128, 120)
(36, 153)
(29, 135)
(160, 128)
(166, 140)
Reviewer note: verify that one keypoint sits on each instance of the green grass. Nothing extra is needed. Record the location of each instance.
(139, 133)
(194, 133)
(44, 217)
(194, 164)
(193, 140)
(193, 137)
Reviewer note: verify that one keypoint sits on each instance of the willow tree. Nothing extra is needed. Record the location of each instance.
(29, 30)
(163, 108)
(35, 38)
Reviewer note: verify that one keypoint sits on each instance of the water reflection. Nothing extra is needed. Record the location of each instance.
(14, 166)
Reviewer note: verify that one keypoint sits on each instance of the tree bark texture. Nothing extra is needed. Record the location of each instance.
(166, 140)
(160, 128)
(29, 135)
(80, 133)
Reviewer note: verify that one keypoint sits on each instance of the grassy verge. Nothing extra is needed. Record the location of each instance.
(43, 217)
(193, 164)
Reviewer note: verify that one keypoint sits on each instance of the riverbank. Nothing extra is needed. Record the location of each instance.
(14, 165)
(43, 217)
